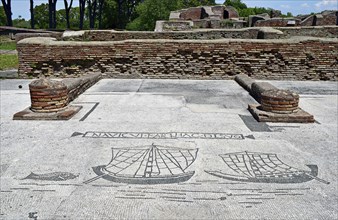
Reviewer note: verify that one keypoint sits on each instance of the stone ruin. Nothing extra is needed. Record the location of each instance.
(225, 17)
(218, 16)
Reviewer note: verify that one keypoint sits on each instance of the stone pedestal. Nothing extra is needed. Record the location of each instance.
(279, 101)
(280, 106)
(48, 95)
(49, 101)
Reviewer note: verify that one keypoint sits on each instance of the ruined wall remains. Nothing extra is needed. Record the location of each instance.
(307, 59)
(277, 22)
(193, 13)
(328, 19)
(250, 33)
(316, 31)
(245, 33)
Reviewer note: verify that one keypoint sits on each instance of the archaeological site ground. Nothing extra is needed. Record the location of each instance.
(207, 117)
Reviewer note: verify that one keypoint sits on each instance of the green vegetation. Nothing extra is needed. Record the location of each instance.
(2, 16)
(8, 61)
(6, 43)
(121, 14)
(7, 46)
(150, 11)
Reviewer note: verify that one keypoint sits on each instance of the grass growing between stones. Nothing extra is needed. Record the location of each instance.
(8, 61)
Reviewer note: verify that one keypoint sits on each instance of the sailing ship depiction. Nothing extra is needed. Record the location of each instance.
(264, 168)
(147, 165)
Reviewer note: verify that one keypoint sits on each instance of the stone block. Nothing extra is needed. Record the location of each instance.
(299, 116)
(64, 114)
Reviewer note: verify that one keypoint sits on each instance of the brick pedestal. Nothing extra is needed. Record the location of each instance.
(48, 95)
(280, 106)
(279, 101)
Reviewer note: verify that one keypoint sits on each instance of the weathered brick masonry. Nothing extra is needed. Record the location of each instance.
(244, 33)
(307, 59)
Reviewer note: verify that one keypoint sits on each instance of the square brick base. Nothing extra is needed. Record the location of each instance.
(64, 114)
(300, 116)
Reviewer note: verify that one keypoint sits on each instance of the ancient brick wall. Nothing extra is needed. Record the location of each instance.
(276, 22)
(314, 59)
(328, 19)
(245, 33)
(192, 13)
(313, 31)
(250, 33)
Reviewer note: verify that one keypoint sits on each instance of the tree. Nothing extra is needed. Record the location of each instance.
(119, 9)
(194, 3)
(2, 16)
(8, 11)
(67, 10)
(20, 22)
(41, 16)
(109, 14)
(236, 4)
(82, 6)
(52, 13)
(92, 4)
(150, 11)
(32, 13)
(100, 3)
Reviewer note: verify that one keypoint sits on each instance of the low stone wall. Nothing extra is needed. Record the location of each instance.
(277, 22)
(292, 59)
(21, 36)
(315, 31)
(244, 33)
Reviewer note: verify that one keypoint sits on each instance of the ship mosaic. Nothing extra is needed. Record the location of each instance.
(147, 165)
(264, 168)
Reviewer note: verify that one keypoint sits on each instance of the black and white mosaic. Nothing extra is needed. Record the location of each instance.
(160, 135)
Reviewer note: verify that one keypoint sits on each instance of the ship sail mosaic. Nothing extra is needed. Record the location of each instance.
(148, 165)
(264, 167)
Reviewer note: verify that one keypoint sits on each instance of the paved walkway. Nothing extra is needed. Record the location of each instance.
(169, 149)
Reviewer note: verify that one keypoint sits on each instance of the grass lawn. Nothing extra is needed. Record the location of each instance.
(6, 43)
(8, 61)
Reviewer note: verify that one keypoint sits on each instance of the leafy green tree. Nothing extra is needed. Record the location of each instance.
(2, 16)
(92, 4)
(109, 15)
(52, 13)
(245, 12)
(21, 22)
(7, 6)
(68, 6)
(236, 4)
(194, 3)
(41, 16)
(150, 11)
(100, 9)
(31, 9)
(82, 6)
